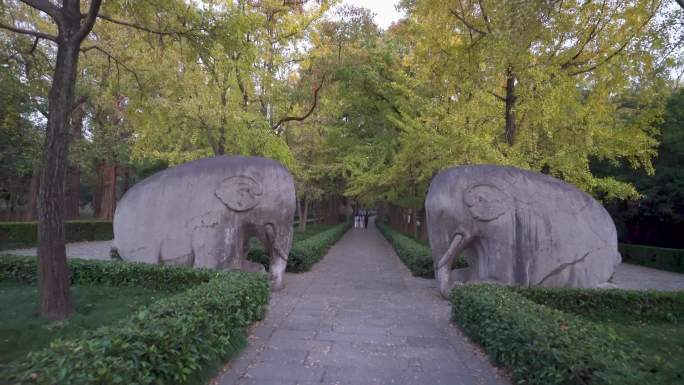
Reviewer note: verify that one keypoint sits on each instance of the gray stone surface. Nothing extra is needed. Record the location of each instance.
(202, 214)
(637, 277)
(518, 227)
(626, 276)
(359, 317)
(98, 250)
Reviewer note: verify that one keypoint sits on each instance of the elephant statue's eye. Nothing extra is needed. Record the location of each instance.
(239, 193)
(487, 202)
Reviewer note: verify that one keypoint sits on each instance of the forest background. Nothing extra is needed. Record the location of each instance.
(586, 91)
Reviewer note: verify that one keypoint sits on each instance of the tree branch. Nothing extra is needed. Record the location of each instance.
(485, 17)
(468, 25)
(115, 60)
(606, 60)
(497, 96)
(45, 6)
(614, 53)
(311, 110)
(591, 35)
(78, 103)
(90, 19)
(22, 31)
(140, 27)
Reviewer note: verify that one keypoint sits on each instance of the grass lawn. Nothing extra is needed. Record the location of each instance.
(311, 230)
(22, 330)
(661, 342)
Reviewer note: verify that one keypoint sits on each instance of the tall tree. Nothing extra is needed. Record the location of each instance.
(66, 26)
(72, 29)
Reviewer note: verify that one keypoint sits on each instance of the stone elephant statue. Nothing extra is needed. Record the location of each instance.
(204, 212)
(518, 227)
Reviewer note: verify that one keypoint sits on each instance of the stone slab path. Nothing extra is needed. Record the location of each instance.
(628, 276)
(84, 250)
(359, 317)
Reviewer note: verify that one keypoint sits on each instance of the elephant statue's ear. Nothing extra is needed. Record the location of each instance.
(487, 202)
(239, 193)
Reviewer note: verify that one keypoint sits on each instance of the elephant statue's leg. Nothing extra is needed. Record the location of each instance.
(444, 264)
(278, 244)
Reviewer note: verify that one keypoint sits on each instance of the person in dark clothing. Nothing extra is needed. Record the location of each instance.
(365, 219)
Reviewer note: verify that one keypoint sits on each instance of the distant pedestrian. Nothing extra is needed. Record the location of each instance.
(365, 219)
(357, 222)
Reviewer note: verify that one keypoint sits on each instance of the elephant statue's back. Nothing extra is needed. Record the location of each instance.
(525, 228)
(192, 214)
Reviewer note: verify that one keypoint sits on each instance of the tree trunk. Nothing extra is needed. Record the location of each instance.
(303, 213)
(97, 191)
(221, 143)
(510, 107)
(126, 180)
(73, 192)
(73, 180)
(53, 273)
(34, 187)
(423, 236)
(300, 211)
(108, 192)
(328, 212)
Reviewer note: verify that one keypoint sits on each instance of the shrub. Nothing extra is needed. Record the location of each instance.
(113, 273)
(169, 342)
(656, 257)
(25, 234)
(306, 252)
(416, 256)
(543, 345)
(644, 305)
(175, 340)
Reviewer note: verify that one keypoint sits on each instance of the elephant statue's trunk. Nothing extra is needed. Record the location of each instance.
(446, 262)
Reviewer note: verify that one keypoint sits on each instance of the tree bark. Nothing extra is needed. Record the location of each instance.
(423, 235)
(108, 192)
(126, 180)
(414, 225)
(329, 212)
(34, 187)
(303, 212)
(53, 273)
(510, 107)
(97, 191)
(221, 142)
(73, 191)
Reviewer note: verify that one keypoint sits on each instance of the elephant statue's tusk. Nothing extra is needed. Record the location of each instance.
(451, 251)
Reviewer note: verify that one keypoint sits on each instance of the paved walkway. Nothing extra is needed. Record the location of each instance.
(359, 317)
(85, 250)
(628, 276)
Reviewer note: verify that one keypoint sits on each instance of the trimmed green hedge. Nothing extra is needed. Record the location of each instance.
(416, 256)
(112, 273)
(649, 305)
(173, 341)
(307, 252)
(543, 345)
(656, 257)
(25, 234)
